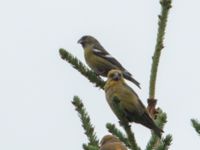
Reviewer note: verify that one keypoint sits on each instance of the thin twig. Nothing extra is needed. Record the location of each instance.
(166, 5)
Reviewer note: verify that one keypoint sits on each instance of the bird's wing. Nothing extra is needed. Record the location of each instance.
(141, 105)
(105, 55)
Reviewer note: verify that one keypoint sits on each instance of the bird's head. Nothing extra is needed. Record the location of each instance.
(115, 75)
(109, 139)
(88, 41)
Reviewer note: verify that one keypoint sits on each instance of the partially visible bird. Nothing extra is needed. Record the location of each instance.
(110, 142)
(100, 61)
(129, 102)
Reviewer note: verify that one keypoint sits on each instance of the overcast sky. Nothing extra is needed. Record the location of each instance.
(37, 87)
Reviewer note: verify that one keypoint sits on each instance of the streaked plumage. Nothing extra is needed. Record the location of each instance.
(110, 142)
(132, 107)
(99, 60)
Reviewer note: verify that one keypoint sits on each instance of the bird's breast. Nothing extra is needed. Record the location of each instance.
(127, 98)
(111, 92)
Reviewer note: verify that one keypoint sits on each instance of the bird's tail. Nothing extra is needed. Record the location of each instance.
(128, 76)
(148, 122)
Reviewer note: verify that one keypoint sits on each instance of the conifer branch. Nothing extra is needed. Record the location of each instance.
(166, 5)
(131, 136)
(125, 124)
(196, 125)
(78, 65)
(90, 147)
(165, 143)
(86, 124)
(112, 129)
(161, 116)
(152, 142)
(160, 121)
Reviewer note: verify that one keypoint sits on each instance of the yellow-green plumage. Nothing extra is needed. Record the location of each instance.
(100, 61)
(127, 99)
(129, 102)
(98, 64)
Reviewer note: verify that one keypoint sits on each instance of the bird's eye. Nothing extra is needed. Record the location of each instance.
(111, 75)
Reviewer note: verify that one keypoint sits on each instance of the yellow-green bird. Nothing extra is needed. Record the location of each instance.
(100, 61)
(129, 102)
(110, 142)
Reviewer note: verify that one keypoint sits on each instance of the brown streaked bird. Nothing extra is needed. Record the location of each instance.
(110, 142)
(129, 102)
(100, 61)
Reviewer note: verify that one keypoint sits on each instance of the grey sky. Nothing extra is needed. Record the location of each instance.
(37, 86)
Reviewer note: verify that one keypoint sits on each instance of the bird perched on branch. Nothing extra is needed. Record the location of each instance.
(110, 142)
(130, 105)
(100, 61)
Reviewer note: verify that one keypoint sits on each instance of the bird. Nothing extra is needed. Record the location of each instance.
(110, 142)
(130, 104)
(99, 60)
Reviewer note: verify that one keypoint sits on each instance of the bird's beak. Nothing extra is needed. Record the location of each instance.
(80, 41)
(116, 77)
